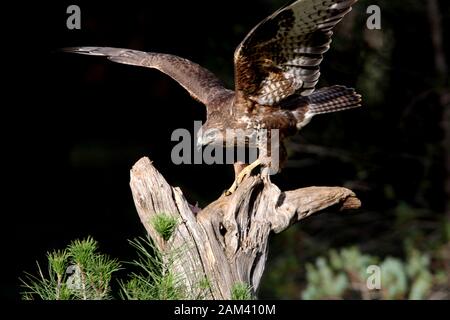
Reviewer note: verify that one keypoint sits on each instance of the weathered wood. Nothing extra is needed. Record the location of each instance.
(228, 240)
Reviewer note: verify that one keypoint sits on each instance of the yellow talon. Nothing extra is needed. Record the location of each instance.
(246, 172)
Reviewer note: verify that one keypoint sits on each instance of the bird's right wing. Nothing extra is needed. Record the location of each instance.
(202, 84)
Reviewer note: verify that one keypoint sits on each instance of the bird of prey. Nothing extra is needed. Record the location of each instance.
(276, 71)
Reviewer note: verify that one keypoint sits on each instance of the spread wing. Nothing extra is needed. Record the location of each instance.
(202, 84)
(282, 54)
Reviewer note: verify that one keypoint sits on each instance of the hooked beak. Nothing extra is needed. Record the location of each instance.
(199, 142)
(206, 137)
(203, 140)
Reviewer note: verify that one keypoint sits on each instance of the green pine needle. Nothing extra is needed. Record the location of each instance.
(90, 277)
(164, 224)
(80, 272)
(241, 291)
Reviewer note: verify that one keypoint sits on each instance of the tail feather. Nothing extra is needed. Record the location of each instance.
(332, 99)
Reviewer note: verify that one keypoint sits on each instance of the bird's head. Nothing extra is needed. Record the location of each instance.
(213, 131)
(209, 136)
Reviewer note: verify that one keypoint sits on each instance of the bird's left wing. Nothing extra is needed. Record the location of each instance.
(282, 54)
(202, 84)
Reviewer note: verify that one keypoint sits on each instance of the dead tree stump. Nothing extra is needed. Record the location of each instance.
(228, 240)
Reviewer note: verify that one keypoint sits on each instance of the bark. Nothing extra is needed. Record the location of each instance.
(227, 242)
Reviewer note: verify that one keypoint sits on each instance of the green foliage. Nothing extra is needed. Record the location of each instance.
(344, 275)
(418, 270)
(332, 278)
(156, 279)
(58, 261)
(393, 278)
(52, 287)
(327, 284)
(164, 224)
(241, 291)
(78, 272)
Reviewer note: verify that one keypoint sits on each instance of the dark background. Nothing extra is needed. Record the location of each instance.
(79, 123)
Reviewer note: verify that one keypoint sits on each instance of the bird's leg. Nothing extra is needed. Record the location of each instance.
(238, 167)
(242, 171)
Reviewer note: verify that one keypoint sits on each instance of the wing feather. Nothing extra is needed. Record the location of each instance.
(282, 55)
(202, 84)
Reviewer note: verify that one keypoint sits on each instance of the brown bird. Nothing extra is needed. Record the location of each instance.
(276, 71)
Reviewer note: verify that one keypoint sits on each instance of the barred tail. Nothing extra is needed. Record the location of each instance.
(331, 99)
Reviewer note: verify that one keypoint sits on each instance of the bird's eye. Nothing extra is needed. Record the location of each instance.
(211, 133)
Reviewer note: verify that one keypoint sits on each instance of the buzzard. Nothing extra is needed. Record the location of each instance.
(276, 71)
